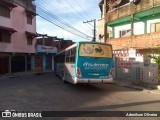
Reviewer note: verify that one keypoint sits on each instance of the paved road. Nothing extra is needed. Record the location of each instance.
(48, 93)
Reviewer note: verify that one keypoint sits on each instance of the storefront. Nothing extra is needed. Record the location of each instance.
(43, 61)
(13, 63)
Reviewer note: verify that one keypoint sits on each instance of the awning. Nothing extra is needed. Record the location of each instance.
(30, 34)
(8, 3)
(29, 12)
(7, 29)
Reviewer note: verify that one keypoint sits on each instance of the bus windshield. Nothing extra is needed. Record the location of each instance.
(95, 50)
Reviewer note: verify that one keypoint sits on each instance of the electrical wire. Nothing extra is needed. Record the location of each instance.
(51, 16)
(71, 20)
(39, 5)
(43, 13)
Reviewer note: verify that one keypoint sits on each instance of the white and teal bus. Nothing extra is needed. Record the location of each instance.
(85, 62)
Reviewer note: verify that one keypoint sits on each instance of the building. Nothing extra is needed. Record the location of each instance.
(130, 24)
(133, 29)
(46, 48)
(17, 33)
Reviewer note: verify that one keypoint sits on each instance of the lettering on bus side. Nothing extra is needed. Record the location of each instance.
(86, 64)
(95, 66)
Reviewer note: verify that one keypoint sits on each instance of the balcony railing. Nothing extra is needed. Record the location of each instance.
(149, 40)
(127, 9)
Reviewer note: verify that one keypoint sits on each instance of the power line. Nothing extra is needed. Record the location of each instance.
(62, 27)
(74, 19)
(72, 30)
(94, 33)
(58, 19)
(42, 15)
(75, 9)
(82, 9)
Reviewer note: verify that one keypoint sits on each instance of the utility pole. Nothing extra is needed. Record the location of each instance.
(94, 32)
(105, 24)
(133, 3)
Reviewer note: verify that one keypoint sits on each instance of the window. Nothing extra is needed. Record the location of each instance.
(72, 59)
(5, 36)
(67, 55)
(30, 15)
(155, 27)
(29, 19)
(123, 33)
(29, 40)
(4, 11)
(73, 54)
(73, 51)
(0, 36)
(60, 58)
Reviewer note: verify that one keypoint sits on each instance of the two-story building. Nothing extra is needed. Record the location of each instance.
(17, 33)
(46, 48)
(130, 24)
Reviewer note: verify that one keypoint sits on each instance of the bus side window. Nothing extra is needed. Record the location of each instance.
(63, 59)
(67, 59)
(73, 51)
(72, 59)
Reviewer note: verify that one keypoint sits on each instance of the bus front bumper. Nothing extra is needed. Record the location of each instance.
(108, 80)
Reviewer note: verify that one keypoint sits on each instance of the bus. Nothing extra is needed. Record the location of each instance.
(85, 62)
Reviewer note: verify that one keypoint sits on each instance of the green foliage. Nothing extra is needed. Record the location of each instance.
(156, 59)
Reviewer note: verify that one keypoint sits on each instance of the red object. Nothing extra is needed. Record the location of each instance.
(78, 71)
(111, 72)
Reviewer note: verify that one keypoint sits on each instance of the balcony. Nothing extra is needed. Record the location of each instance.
(143, 41)
(9, 3)
(130, 8)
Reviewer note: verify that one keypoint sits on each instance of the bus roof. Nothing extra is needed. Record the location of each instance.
(74, 45)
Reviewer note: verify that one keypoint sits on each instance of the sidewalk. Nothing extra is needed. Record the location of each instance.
(155, 89)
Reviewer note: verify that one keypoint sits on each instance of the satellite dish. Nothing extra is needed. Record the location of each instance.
(136, 2)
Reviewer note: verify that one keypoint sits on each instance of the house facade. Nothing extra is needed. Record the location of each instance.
(17, 35)
(130, 24)
(46, 48)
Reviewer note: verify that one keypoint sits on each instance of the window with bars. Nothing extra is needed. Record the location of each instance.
(29, 19)
(29, 41)
(5, 36)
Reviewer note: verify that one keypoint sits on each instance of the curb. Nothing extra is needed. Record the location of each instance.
(154, 92)
(129, 86)
(134, 87)
(150, 89)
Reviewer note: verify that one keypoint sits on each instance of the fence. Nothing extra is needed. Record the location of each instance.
(131, 69)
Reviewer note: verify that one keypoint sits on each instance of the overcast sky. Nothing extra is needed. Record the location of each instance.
(73, 12)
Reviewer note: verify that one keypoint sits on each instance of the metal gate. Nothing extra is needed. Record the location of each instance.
(127, 68)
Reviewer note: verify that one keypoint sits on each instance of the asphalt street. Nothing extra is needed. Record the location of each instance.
(48, 93)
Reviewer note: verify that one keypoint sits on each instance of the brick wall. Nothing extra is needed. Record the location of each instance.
(149, 40)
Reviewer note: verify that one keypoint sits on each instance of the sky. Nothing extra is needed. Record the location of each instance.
(73, 12)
